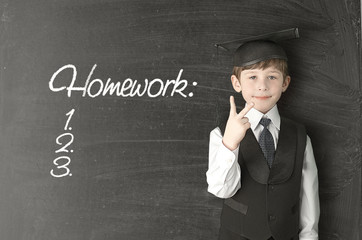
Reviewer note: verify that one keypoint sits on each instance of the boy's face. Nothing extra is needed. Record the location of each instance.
(263, 87)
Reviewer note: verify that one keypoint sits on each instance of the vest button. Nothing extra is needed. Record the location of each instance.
(271, 187)
(272, 218)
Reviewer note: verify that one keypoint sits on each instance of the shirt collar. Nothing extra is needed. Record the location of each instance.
(255, 116)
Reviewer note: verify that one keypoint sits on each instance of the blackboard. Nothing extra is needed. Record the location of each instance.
(137, 158)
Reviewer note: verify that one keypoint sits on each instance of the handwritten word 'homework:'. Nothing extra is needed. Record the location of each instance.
(128, 88)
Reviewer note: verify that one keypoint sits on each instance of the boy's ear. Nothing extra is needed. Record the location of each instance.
(286, 83)
(236, 84)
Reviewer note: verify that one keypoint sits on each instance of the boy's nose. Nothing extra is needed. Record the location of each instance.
(262, 85)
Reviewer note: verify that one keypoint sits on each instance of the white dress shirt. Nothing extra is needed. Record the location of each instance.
(223, 175)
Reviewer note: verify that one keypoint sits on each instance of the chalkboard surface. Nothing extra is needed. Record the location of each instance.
(106, 109)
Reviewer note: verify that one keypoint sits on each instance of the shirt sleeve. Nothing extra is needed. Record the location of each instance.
(223, 175)
(309, 212)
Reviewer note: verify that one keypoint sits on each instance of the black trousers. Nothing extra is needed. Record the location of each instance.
(224, 234)
(243, 238)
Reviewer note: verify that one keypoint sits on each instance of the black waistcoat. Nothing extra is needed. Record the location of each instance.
(268, 202)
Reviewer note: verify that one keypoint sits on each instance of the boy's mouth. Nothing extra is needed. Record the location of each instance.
(262, 97)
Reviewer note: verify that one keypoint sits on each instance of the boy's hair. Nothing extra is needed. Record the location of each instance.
(279, 64)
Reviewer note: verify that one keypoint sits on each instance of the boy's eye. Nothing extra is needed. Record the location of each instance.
(272, 77)
(252, 77)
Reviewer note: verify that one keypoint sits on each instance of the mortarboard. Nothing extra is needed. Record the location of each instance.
(255, 49)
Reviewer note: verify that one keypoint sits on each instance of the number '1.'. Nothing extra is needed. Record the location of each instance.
(69, 114)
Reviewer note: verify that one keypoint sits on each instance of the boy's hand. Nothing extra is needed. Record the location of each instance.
(236, 126)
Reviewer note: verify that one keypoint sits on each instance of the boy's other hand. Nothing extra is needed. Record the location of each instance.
(236, 126)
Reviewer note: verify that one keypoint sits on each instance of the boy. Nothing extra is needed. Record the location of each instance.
(260, 163)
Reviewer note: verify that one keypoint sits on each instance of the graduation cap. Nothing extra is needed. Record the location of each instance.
(255, 49)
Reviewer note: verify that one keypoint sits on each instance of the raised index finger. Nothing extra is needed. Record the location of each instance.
(246, 109)
(232, 106)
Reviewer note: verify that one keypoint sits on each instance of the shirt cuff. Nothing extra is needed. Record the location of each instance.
(314, 237)
(221, 155)
(226, 157)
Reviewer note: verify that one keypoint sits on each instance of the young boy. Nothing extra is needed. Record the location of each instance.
(260, 163)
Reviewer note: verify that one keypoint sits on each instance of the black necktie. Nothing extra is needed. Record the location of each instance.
(266, 142)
